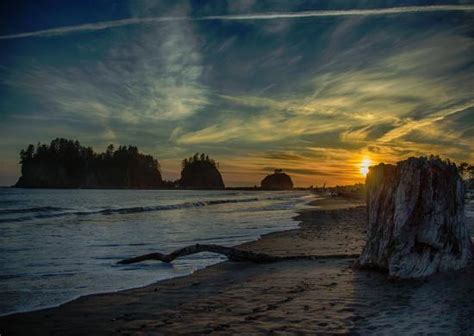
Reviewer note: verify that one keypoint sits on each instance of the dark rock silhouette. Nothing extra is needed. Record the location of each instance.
(277, 181)
(416, 218)
(67, 164)
(200, 172)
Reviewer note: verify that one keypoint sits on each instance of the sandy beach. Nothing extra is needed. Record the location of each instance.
(288, 297)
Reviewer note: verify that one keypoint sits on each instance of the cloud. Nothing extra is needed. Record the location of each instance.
(260, 129)
(410, 125)
(263, 16)
(313, 97)
(348, 12)
(394, 105)
(163, 83)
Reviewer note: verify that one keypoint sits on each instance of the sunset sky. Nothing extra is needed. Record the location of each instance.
(317, 88)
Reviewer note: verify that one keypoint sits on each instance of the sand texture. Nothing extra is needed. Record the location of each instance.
(290, 297)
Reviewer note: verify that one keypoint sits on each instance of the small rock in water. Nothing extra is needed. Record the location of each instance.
(416, 223)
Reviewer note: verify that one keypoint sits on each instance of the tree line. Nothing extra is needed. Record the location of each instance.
(67, 164)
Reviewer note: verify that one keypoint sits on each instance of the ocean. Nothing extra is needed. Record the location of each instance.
(57, 245)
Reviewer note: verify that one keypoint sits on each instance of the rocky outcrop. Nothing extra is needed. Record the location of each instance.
(415, 219)
(277, 181)
(200, 172)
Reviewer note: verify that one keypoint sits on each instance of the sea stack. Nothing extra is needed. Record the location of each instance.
(416, 223)
(277, 181)
(200, 172)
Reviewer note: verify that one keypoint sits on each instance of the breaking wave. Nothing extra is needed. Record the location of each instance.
(53, 212)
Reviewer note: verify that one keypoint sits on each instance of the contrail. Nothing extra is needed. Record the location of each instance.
(263, 16)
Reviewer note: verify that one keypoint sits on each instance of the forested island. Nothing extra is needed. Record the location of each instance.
(200, 172)
(67, 164)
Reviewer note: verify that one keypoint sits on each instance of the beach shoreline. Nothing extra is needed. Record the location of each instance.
(295, 297)
(248, 243)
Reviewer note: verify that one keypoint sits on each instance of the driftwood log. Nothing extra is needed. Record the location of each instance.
(231, 253)
(415, 219)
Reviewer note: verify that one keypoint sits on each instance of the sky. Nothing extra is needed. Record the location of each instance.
(317, 88)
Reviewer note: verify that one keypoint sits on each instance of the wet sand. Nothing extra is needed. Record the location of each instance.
(289, 297)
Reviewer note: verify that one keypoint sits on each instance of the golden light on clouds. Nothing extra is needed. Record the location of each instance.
(182, 86)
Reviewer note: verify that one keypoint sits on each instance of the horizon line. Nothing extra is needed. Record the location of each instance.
(102, 25)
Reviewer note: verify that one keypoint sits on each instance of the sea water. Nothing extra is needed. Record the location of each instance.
(57, 245)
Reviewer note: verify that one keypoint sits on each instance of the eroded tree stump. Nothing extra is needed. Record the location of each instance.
(416, 221)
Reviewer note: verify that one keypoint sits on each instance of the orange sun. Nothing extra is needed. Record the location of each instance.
(364, 166)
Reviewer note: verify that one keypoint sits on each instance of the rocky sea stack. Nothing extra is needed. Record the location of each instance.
(200, 172)
(67, 164)
(277, 181)
(416, 224)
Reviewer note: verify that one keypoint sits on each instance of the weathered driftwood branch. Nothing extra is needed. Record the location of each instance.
(231, 253)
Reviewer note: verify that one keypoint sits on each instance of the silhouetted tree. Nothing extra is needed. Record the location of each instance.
(198, 157)
(67, 164)
(26, 155)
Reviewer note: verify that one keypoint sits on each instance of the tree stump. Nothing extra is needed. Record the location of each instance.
(416, 223)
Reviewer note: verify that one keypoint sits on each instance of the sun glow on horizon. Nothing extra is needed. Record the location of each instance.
(364, 166)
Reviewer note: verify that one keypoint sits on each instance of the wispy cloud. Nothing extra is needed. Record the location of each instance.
(376, 110)
(411, 125)
(255, 16)
(163, 84)
(313, 97)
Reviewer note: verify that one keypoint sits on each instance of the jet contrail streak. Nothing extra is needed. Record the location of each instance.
(263, 16)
